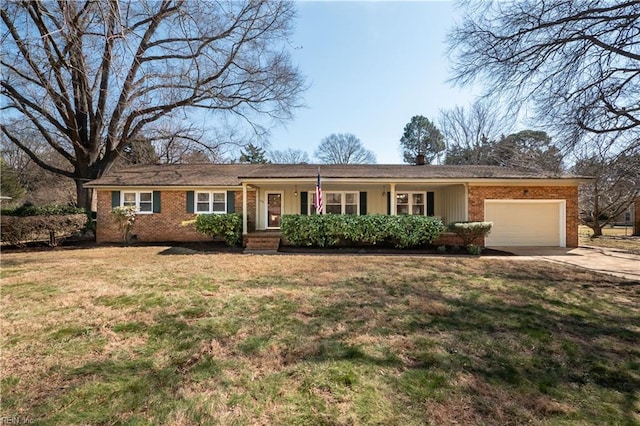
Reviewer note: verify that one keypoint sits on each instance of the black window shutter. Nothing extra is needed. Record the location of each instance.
(156, 201)
(190, 201)
(115, 199)
(363, 203)
(231, 201)
(388, 203)
(430, 205)
(304, 202)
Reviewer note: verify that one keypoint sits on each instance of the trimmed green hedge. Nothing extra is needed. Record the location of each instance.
(54, 209)
(53, 228)
(332, 230)
(28, 223)
(471, 231)
(227, 226)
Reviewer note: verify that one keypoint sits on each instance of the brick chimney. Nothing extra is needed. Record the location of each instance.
(420, 159)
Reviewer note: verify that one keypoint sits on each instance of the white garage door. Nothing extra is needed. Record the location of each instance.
(526, 223)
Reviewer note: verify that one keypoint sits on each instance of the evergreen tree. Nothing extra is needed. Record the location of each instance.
(421, 137)
(253, 154)
(9, 182)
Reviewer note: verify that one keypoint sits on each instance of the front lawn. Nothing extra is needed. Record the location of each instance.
(619, 238)
(159, 335)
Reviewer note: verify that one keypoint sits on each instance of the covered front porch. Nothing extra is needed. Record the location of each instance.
(274, 198)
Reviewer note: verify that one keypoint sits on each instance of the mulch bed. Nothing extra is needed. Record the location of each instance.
(220, 247)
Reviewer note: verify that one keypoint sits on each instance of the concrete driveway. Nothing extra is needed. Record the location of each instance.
(597, 259)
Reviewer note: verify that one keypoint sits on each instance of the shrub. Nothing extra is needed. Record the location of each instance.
(474, 250)
(471, 231)
(227, 226)
(125, 218)
(331, 230)
(29, 210)
(17, 230)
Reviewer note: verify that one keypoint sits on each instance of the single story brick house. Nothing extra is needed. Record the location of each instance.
(527, 208)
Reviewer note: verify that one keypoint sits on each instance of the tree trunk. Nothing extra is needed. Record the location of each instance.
(597, 228)
(84, 196)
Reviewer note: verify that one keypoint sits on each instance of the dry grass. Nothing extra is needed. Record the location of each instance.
(139, 335)
(619, 238)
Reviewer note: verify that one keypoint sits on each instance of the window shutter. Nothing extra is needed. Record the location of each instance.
(190, 201)
(156, 201)
(430, 204)
(304, 202)
(231, 201)
(388, 203)
(115, 199)
(363, 203)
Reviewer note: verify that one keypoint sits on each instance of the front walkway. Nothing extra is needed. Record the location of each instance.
(597, 259)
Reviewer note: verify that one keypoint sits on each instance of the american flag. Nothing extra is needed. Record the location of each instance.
(318, 195)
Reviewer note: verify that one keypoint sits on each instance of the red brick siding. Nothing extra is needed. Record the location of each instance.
(251, 208)
(478, 194)
(451, 239)
(163, 226)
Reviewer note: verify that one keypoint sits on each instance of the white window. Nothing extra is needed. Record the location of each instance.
(412, 203)
(142, 201)
(211, 202)
(338, 203)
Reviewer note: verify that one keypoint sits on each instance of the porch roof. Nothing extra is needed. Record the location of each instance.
(185, 175)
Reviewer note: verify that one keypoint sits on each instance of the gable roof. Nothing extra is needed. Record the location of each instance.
(175, 175)
(181, 175)
(390, 171)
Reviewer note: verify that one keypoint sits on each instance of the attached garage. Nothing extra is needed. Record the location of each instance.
(538, 223)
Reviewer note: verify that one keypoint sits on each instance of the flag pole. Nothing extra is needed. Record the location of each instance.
(319, 204)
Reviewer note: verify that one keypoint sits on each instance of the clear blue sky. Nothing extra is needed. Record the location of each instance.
(371, 66)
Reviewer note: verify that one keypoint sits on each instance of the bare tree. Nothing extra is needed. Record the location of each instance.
(615, 186)
(528, 149)
(177, 143)
(343, 148)
(41, 186)
(468, 133)
(288, 156)
(92, 76)
(577, 62)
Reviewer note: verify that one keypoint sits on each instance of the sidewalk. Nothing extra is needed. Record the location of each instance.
(597, 259)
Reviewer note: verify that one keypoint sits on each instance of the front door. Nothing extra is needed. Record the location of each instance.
(274, 209)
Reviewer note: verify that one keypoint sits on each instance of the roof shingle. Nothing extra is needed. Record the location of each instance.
(181, 175)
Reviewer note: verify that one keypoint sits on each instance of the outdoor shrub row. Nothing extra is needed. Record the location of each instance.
(334, 230)
(29, 210)
(18, 230)
(226, 226)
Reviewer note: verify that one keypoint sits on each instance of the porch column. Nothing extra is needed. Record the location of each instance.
(257, 220)
(466, 201)
(244, 209)
(392, 199)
